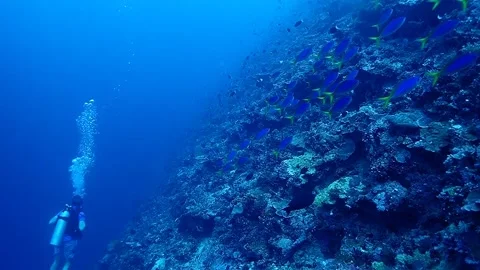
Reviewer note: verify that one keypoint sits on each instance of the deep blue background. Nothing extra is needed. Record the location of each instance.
(55, 55)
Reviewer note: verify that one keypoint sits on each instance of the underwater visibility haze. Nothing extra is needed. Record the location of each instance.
(152, 69)
(273, 134)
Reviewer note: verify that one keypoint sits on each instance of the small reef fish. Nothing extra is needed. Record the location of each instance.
(349, 54)
(340, 50)
(456, 65)
(302, 108)
(303, 55)
(384, 17)
(343, 87)
(314, 95)
(273, 100)
(244, 144)
(295, 102)
(242, 160)
(291, 85)
(401, 89)
(228, 167)
(309, 78)
(340, 105)
(287, 101)
(219, 164)
(327, 48)
(262, 133)
(232, 155)
(346, 86)
(390, 29)
(329, 79)
(436, 3)
(283, 144)
(274, 110)
(318, 65)
(441, 30)
(334, 86)
(352, 75)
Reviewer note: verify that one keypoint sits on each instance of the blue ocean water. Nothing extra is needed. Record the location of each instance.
(153, 69)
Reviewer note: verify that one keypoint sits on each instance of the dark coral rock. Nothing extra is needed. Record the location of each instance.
(196, 226)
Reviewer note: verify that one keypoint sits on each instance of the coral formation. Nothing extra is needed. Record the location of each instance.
(376, 186)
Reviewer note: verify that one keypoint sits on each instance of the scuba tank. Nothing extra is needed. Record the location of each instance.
(60, 226)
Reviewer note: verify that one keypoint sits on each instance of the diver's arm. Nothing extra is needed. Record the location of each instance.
(81, 221)
(81, 225)
(53, 219)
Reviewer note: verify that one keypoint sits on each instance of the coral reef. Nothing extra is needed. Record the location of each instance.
(373, 187)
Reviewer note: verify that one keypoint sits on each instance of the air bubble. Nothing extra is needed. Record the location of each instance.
(87, 126)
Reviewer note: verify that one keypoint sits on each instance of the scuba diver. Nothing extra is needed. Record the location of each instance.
(69, 225)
